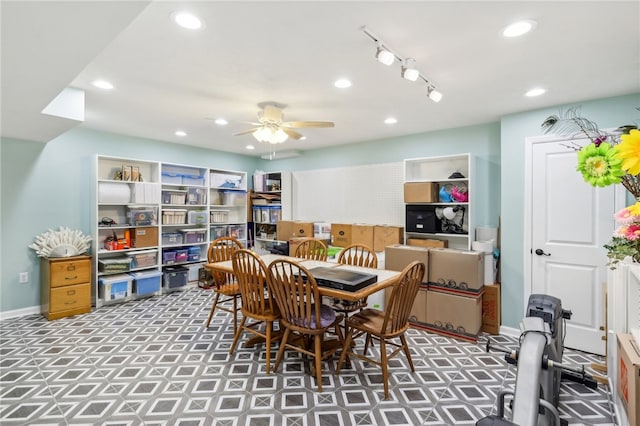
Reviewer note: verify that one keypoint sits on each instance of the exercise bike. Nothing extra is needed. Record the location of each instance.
(540, 368)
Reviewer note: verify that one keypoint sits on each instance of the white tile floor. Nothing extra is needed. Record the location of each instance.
(152, 362)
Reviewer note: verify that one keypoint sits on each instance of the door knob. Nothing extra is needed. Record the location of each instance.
(541, 252)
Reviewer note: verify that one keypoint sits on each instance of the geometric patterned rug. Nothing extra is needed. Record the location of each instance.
(152, 362)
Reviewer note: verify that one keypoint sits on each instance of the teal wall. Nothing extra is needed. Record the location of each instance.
(607, 113)
(47, 185)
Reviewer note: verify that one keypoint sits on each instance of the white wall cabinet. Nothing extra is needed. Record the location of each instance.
(446, 192)
(271, 202)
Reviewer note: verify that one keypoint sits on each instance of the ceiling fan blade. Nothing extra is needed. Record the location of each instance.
(244, 132)
(292, 133)
(303, 124)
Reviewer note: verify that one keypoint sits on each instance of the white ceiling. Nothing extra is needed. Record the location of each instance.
(168, 78)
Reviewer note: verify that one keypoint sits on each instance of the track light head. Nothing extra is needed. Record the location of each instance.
(434, 95)
(408, 70)
(384, 56)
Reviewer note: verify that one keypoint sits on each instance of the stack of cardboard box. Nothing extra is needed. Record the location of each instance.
(450, 301)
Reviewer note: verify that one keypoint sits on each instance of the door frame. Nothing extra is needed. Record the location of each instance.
(619, 201)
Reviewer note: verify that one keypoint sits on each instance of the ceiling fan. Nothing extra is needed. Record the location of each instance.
(270, 127)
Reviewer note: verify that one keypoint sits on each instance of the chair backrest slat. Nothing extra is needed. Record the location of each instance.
(358, 255)
(251, 273)
(220, 250)
(311, 248)
(402, 297)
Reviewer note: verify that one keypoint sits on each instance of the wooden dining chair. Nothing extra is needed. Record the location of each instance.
(225, 284)
(312, 249)
(258, 306)
(355, 255)
(386, 326)
(304, 317)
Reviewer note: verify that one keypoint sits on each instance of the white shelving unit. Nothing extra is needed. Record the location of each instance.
(271, 202)
(125, 207)
(228, 205)
(171, 209)
(439, 171)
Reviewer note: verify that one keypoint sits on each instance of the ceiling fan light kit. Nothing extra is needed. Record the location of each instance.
(408, 71)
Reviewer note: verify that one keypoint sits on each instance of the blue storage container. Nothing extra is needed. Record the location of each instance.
(171, 178)
(114, 287)
(147, 282)
(194, 253)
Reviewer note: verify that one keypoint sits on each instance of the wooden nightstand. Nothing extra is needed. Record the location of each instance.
(65, 286)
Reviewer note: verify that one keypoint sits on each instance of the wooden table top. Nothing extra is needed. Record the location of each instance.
(386, 278)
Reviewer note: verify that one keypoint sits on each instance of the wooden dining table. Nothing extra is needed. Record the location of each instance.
(385, 278)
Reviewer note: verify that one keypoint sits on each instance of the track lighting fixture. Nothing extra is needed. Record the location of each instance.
(433, 94)
(384, 56)
(408, 71)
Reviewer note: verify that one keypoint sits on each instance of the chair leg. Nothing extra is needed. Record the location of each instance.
(213, 308)
(318, 359)
(367, 341)
(383, 364)
(407, 352)
(345, 351)
(236, 337)
(269, 326)
(235, 313)
(283, 344)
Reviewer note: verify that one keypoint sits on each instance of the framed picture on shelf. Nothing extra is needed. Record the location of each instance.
(135, 174)
(126, 172)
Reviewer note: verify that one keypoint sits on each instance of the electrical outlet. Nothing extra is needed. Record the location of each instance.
(24, 277)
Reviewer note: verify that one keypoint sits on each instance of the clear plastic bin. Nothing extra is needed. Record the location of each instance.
(219, 216)
(147, 282)
(197, 217)
(174, 217)
(193, 236)
(115, 287)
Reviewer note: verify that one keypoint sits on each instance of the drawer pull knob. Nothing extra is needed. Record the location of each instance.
(71, 268)
(71, 278)
(71, 293)
(71, 302)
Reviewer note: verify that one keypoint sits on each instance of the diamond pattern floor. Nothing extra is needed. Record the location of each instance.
(151, 362)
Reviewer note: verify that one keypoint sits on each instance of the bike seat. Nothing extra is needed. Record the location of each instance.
(494, 421)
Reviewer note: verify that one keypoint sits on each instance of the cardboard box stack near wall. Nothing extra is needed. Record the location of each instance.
(421, 192)
(384, 236)
(287, 229)
(362, 234)
(341, 234)
(628, 362)
(427, 242)
(445, 310)
(491, 309)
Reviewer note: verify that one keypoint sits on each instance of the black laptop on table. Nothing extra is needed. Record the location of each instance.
(342, 279)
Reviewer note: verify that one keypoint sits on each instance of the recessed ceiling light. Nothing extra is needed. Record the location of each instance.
(519, 28)
(303, 138)
(250, 147)
(535, 92)
(187, 20)
(221, 122)
(390, 120)
(342, 83)
(102, 84)
(181, 133)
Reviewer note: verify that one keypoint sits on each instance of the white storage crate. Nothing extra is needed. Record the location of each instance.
(219, 216)
(174, 217)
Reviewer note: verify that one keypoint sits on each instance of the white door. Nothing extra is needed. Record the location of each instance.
(569, 222)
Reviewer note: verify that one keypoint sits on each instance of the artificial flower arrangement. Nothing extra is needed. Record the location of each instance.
(609, 159)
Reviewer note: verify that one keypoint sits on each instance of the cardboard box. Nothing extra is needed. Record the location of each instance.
(420, 192)
(362, 234)
(491, 309)
(398, 256)
(419, 308)
(427, 242)
(144, 237)
(628, 362)
(453, 313)
(456, 269)
(384, 235)
(341, 234)
(288, 229)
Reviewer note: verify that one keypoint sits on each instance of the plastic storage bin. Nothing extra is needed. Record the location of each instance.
(196, 196)
(174, 217)
(115, 287)
(219, 231)
(194, 253)
(143, 258)
(193, 236)
(142, 216)
(168, 257)
(218, 216)
(189, 179)
(171, 238)
(197, 217)
(275, 214)
(114, 264)
(234, 198)
(175, 178)
(194, 271)
(174, 197)
(236, 231)
(182, 255)
(175, 277)
(147, 282)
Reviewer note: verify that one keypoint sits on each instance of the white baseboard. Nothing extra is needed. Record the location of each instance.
(510, 331)
(20, 312)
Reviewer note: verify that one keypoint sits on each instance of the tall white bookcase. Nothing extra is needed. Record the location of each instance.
(439, 171)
